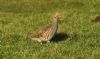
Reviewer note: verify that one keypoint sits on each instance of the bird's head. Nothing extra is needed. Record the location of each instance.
(57, 17)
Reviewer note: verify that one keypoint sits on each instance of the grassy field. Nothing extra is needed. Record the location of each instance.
(19, 18)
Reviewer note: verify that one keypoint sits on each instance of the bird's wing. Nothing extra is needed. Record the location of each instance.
(39, 33)
(45, 28)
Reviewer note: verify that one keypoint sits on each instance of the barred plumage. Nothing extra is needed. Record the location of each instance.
(47, 33)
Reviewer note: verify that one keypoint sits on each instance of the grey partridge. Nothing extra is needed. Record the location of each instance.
(48, 32)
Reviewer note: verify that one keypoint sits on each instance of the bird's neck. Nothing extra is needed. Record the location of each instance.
(55, 22)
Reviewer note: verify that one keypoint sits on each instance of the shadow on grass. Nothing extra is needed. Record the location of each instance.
(60, 37)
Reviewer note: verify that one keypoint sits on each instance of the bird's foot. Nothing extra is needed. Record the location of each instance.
(40, 42)
(48, 41)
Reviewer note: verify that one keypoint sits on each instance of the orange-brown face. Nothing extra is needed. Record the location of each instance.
(57, 16)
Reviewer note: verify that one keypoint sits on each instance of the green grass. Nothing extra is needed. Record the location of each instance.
(19, 18)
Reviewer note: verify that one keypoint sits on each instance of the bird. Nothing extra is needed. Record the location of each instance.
(97, 19)
(48, 32)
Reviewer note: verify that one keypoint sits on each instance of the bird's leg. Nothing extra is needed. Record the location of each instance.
(48, 41)
(40, 42)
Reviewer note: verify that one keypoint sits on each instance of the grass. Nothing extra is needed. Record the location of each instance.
(21, 17)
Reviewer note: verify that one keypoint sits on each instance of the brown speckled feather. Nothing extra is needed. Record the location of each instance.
(44, 33)
(47, 32)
